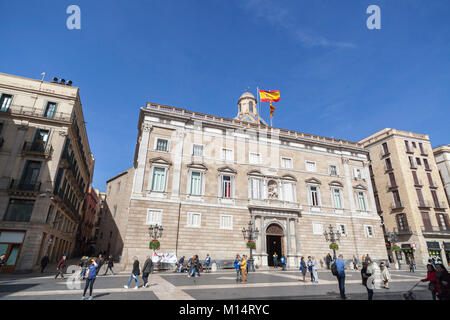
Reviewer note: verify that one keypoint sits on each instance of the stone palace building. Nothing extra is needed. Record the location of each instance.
(204, 177)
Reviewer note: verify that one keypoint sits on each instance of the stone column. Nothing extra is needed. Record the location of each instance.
(348, 184)
(264, 261)
(142, 158)
(370, 195)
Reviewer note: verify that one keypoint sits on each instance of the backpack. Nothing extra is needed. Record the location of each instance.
(334, 270)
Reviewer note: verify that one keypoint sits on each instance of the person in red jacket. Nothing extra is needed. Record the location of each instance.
(61, 267)
(433, 286)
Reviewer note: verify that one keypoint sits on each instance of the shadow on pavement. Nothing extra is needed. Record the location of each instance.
(14, 288)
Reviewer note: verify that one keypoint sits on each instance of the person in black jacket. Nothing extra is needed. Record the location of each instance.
(134, 274)
(100, 262)
(443, 278)
(44, 263)
(146, 270)
(109, 265)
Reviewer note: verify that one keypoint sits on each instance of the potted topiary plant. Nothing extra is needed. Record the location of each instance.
(154, 244)
(251, 244)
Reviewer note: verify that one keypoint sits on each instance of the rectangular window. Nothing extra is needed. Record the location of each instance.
(435, 199)
(426, 220)
(422, 150)
(369, 231)
(154, 217)
(411, 162)
(342, 229)
(30, 175)
(416, 180)
(196, 183)
(194, 220)
(5, 102)
(418, 161)
(288, 192)
(254, 158)
(227, 154)
(314, 196)
(333, 170)
(337, 198)
(311, 166)
(408, 149)
(226, 187)
(388, 164)
(317, 228)
(19, 210)
(197, 150)
(385, 148)
(162, 145)
(361, 201)
(226, 222)
(256, 188)
(401, 222)
(286, 163)
(49, 215)
(50, 110)
(425, 163)
(159, 179)
(430, 179)
(397, 201)
(414, 144)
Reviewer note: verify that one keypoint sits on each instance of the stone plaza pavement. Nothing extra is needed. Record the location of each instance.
(221, 285)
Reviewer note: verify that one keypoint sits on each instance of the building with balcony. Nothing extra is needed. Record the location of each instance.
(409, 194)
(442, 156)
(86, 229)
(46, 167)
(204, 177)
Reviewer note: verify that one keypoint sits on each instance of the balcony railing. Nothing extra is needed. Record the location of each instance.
(37, 112)
(427, 167)
(424, 204)
(439, 205)
(397, 205)
(388, 168)
(404, 231)
(391, 186)
(435, 230)
(273, 203)
(37, 149)
(384, 154)
(18, 185)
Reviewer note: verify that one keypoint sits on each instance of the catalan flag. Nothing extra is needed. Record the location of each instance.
(269, 96)
(272, 109)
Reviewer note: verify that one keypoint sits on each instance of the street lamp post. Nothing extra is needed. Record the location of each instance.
(155, 232)
(332, 237)
(251, 234)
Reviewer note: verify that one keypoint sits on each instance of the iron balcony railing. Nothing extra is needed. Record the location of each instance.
(433, 229)
(403, 231)
(424, 204)
(37, 148)
(19, 185)
(37, 112)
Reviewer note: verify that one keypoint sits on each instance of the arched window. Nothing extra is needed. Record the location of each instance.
(250, 106)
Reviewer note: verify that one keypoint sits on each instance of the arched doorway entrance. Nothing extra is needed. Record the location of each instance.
(274, 241)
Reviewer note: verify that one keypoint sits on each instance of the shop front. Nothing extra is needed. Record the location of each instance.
(434, 250)
(408, 251)
(447, 252)
(11, 245)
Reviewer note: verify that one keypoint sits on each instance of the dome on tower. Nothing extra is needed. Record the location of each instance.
(247, 109)
(247, 95)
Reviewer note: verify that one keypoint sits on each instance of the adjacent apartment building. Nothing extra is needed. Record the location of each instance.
(442, 156)
(409, 194)
(46, 167)
(204, 178)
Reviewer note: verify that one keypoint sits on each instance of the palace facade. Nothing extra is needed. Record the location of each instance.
(204, 178)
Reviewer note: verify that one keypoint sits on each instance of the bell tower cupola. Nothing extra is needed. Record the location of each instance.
(247, 109)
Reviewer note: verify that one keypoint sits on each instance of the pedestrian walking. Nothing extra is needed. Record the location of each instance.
(109, 265)
(283, 262)
(355, 263)
(303, 268)
(44, 263)
(134, 274)
(237, 266)
(367, 275)
(146, 270)
(328, 260)
(207, 263)
(385, 274)
(433, 286)
(314, 270)
(84, 264)
(338, 269)
(195, 268)
(443, 278)
(90, 279)
(412, 264)
(244, 268)
(309, 263)
(275, 260)
(61, 267)
(100, 262)
(363, 259)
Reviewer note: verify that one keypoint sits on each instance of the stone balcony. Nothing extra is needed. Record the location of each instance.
(274, 204)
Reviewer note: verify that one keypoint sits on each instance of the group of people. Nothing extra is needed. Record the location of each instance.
(311, 266)
(241, 266)
(439, 280)
(283, 261)
(193, 265)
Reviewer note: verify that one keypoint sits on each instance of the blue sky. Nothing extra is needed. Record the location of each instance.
(336, 77)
